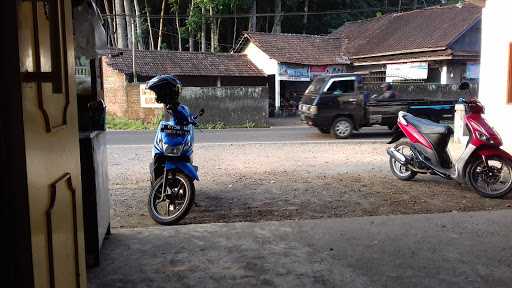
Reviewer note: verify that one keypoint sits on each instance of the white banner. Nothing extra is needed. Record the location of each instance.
(397, 72)
(148, 98)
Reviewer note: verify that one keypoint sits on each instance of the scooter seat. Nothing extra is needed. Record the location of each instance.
(425, 126)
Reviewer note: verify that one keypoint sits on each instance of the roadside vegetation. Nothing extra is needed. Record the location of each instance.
(121, 123)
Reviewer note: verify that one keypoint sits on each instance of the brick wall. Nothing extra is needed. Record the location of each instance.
(135, 111)
(114, 90)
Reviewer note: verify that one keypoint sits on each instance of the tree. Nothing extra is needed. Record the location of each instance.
(138, 25)
(175, 6)
(305, 19)
(191, 30)
(252, 21)
(128, 11)
(162, 11)
(110, 24)
(121, 35)
(151, 41)
(278, 18)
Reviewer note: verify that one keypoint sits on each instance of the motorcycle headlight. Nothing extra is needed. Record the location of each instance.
(173, 150)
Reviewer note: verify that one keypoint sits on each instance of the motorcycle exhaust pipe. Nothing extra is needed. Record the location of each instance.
(397, 156)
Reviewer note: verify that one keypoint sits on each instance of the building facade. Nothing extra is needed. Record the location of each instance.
(496, 68)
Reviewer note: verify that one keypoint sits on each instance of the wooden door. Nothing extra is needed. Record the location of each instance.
(51, 142)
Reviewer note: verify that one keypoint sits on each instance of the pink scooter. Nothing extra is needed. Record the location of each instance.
(483, 164)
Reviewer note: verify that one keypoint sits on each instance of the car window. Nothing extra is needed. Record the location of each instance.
(341, 86)
(315, 86)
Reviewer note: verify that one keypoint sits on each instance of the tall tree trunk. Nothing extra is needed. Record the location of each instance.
(151, 40)
(128, 10)
(252, 20)
(234, 26)
(177, 10)
(161, 25)
(278, 18)
(138, 24)
(203, 29)
(305, 20)
(191, 42)
(214, 34)
(121, 35)
(110, 24)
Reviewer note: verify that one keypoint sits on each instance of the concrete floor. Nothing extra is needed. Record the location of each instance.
(438, 250)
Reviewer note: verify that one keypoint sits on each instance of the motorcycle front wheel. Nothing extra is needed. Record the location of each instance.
(175, 203)
(492, 179)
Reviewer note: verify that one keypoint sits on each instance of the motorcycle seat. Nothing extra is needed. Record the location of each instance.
(428, 127)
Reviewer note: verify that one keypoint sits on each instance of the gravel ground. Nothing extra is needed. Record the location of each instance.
(261, 182)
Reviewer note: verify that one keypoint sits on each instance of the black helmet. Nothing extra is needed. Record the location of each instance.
(166, 87)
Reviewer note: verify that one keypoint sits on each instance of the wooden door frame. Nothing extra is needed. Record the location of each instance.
(17, 262)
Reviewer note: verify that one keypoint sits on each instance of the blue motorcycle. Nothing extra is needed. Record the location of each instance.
(172, 172)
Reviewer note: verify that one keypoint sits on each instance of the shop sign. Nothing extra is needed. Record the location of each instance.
(316, 71)
(294, 72)
(148, 98)
(397, 72)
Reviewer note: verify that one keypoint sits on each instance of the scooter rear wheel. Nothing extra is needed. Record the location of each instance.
(493, 180)
(176, 202)
(400, 171)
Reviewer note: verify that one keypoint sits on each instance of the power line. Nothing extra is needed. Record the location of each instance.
(153, 16)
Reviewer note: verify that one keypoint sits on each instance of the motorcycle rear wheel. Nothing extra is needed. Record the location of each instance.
(170, 210)
(493, 180)
(400, 171)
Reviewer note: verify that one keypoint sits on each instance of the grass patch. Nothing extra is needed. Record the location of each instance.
(121, 123)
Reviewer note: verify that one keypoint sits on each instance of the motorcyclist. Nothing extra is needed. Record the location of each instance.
(387, 93)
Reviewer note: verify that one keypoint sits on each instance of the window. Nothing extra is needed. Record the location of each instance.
(343, 86)
(509, 98)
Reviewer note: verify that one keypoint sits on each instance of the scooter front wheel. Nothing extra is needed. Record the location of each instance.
(491, 179)
(175, 203)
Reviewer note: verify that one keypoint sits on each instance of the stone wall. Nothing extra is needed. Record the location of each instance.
(229, 105)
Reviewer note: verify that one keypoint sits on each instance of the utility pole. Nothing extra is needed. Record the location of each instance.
(133, 54)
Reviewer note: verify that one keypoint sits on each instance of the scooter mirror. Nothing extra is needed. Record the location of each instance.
(464, 86)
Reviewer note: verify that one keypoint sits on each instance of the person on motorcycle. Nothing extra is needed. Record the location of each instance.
(388, 93)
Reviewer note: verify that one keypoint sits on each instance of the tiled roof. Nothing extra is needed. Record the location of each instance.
(418, 56)
(152, 63)
(299, 48)
(420, 30)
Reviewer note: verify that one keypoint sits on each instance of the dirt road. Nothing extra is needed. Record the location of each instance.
(257, 182)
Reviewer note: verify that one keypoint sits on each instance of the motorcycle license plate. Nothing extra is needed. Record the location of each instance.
(174, 131)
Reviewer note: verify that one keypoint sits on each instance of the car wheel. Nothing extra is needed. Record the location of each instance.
(342, 128)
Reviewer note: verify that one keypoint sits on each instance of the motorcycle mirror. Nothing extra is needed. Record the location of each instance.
(201, 112)
(464, 86)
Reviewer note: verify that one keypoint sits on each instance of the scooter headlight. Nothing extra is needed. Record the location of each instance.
(173, 150)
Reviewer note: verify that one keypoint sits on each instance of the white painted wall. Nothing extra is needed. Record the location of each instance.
(261, 60)
(496, 38)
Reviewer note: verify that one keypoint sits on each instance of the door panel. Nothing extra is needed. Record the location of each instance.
(51, 143)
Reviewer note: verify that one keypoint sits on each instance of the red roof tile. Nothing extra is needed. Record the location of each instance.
(419, 30)
(153, 62)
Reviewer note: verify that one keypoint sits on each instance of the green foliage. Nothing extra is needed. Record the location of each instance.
(317, 23)
(121, 123)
